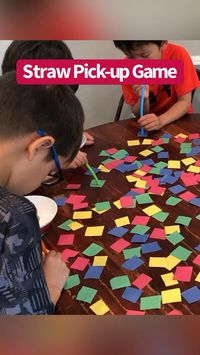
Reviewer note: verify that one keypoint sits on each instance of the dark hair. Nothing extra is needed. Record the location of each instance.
(52, 108)
(35, 50)
(128, 46)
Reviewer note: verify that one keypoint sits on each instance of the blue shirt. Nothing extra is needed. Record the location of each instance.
(23, 289)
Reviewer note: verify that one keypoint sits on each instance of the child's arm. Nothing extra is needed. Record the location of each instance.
(56, 273)
(136, 108)
(152, 122)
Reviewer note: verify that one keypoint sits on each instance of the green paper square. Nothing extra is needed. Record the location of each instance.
(174, 238)
(165, 140)
(150, 302)
(86, 294)
(157, 149)
(184, 220)
(161, 216)
(181, 253)
(173, 201)
(101, 206)
(92, 250)
(103, 153)
(139, 164)
(140, 229)
(120, 154)
(143, 199)
(155, 171)
(129, 253)
(109, 160)
(119, 282)
(160, 165)
(65, 225)
(100, 183)
(198, 217)
(72, 281)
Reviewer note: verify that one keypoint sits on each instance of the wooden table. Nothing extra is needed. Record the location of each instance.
(116, 135)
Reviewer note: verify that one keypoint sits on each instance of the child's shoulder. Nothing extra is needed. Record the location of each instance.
(174, 51)
(11, 203)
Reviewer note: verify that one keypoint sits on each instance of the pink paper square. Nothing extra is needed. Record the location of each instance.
(127, 201)
(142, 220)
(79, 206)
(135, 313)
(187, 196)
(197, 260)
(120, 245)
(80, 263)
(183, 273)
(141, 281)
(139, 190)
(68, 253)
(158, 233)
(112, 151)
(130, 159)
(66, 239)
(113, 164)
(73, 186)
(194, 136)
(175, 312)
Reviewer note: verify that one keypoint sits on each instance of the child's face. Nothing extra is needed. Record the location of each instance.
(146, 51)
(31, 170)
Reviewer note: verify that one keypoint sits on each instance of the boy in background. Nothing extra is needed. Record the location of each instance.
(54, 49)
(41, 131)
(163, 104)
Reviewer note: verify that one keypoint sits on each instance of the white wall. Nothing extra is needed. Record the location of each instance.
(100, 102)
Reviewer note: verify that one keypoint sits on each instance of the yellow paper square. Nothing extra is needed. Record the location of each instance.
(132, 178)
(117, 204)
(172, 229)
(140, 172)
(133, 142)
(123, 221)
(147, 141)
(82, 215)
(100, 260)
(151, 210)
(188, 161)
(198, 277)
(95, 231)
(140, 183)
(103, 169)
(174, 164)
(194, 169)
(171, 296)
(99, 308)
(171, 261)
(157, 261)
(146, 152)
(181, 135)
(75, 226)
(168, 279)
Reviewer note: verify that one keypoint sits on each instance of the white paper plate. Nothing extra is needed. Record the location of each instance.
(46, 209)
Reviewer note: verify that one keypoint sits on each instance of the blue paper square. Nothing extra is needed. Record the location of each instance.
(133, 263)
(192, 294)
(150, 247)
(163, 155)
(195, 201)
(94, 272)
(132, 294)
(137, 238)
(60, 201)
(177, 189)
(118, 231)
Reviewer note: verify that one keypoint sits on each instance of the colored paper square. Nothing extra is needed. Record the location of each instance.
(183, 273)
(140, 229)
(192, 294)
(119, 282)
(66, 239)
(181, 253)
(151, 210)
(99, 184)
(72, 187)
(68, 253)
(175, 238)
(92, 250)
(173, 201)
(150, 247)
(82, 215)
(119, 245)
(184, 220)
(196, 260)
(140, 238)
(161, 216)
(168, 279)
(171, 261)
(132, 263)
(86, 294)
(101, 206)
(100, 260)
(129, 253)
(172, 229)
(143, 199)
(157, 262)
(80, 263)
(123, 221)
(75, 226)
(158, 233)
(131, 294)
(150, 302)
(99, 308)
(94, 231)
(94, 272)
(142, 281)
(72, 281)
(142, 220)
(171, 296)
(118, 231)
(127, 201)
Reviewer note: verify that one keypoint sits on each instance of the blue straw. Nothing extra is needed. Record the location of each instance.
(142, 108)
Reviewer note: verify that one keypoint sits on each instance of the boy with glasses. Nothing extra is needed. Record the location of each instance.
(41, 131)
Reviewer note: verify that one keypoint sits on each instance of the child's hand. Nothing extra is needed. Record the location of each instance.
(150, 122)
(79, 160)
(138, 90)
(89, 138)
(56, 273)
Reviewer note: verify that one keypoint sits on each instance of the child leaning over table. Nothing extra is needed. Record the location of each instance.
(163, 104)
(34, 121)
(54, 49)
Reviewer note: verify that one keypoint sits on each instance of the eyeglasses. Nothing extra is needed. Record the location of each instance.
(52, 178)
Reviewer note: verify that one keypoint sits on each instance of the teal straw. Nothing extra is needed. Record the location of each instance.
(93, 173)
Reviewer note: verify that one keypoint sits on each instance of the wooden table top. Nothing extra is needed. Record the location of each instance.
(116, 135)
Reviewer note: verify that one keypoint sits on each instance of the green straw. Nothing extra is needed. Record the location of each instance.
(93, 173)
